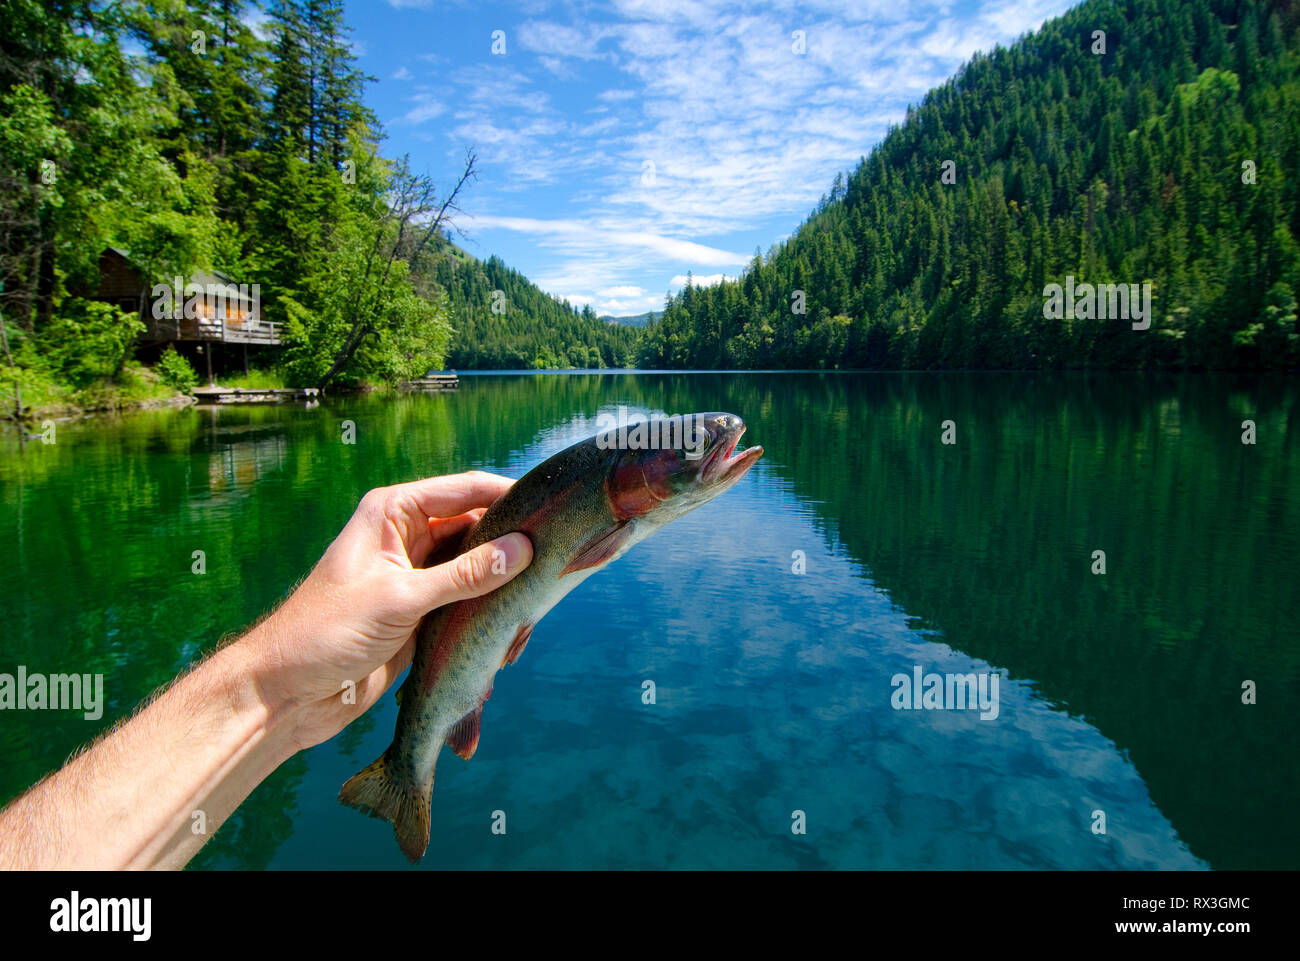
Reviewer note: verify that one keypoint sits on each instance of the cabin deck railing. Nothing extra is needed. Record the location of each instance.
(219, 329)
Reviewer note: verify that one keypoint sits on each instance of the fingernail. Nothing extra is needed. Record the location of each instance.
(517, 548)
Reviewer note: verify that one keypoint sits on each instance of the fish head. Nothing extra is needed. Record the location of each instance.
(666, 467)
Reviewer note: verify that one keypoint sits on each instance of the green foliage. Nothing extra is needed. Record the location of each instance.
(175, 371)
(257, 379)
(407, 338)
(29, 134)
(133, 386)
(411, 340)
(1123, 168)
(85, 342)
(87, 159)
(39, 388)
(174, 130)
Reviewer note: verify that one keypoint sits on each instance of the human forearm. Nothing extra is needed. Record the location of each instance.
(153, 790)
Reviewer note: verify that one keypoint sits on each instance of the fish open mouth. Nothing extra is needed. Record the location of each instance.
(723, 463)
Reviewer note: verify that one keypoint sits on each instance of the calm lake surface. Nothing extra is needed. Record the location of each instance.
(1118, 692)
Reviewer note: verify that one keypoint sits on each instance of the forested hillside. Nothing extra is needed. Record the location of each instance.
(528, 329)
(180, 133)
(1165, 149)
(636, 320)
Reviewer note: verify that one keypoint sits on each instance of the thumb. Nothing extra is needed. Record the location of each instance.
(476, 572)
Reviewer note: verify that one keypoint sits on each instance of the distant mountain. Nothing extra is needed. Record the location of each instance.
(528, 329)
(636, 320)
(1128, 142)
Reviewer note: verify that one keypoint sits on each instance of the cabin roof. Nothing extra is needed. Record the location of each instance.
(202, 277)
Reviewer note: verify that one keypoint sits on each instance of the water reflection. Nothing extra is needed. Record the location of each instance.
(1120, 692)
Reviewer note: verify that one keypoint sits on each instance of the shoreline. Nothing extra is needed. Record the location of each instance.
(62, 413)
(70, 413)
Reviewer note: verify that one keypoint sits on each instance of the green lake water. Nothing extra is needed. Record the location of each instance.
(1118, 692)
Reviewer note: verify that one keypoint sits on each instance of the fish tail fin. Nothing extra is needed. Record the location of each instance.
(375, 792)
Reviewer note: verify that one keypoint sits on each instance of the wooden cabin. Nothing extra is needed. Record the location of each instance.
(206, 306)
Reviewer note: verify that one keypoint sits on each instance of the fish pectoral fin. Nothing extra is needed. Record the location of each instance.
(599, 548)
(517, 645)
(463, 739)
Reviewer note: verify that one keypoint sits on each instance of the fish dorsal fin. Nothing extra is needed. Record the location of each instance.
(599, 548)
(463, 739)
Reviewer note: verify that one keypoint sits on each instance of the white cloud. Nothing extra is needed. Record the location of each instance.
(704, 280)
(739, 127)
(401, 74)
(559, 68)
(596, 127)
(580, 234)
(1011, 18)
(427, 106)
(259, 21)
(625, 308)
(521, 137)
(744, 133)
(561, 40)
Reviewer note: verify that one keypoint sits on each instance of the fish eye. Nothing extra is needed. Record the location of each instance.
(698, 444)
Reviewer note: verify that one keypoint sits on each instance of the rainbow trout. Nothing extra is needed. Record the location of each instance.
(582, 509)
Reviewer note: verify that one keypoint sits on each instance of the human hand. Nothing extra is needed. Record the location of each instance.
(296, 679)
(353, 620)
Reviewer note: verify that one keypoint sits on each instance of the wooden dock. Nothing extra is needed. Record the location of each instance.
(255, 395)
(433, 382)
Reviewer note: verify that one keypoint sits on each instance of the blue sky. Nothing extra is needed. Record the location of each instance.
(624, 144)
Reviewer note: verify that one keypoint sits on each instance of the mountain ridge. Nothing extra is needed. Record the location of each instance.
(1039, 161)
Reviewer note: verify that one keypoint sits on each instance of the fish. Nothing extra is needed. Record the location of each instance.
(582, 508)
